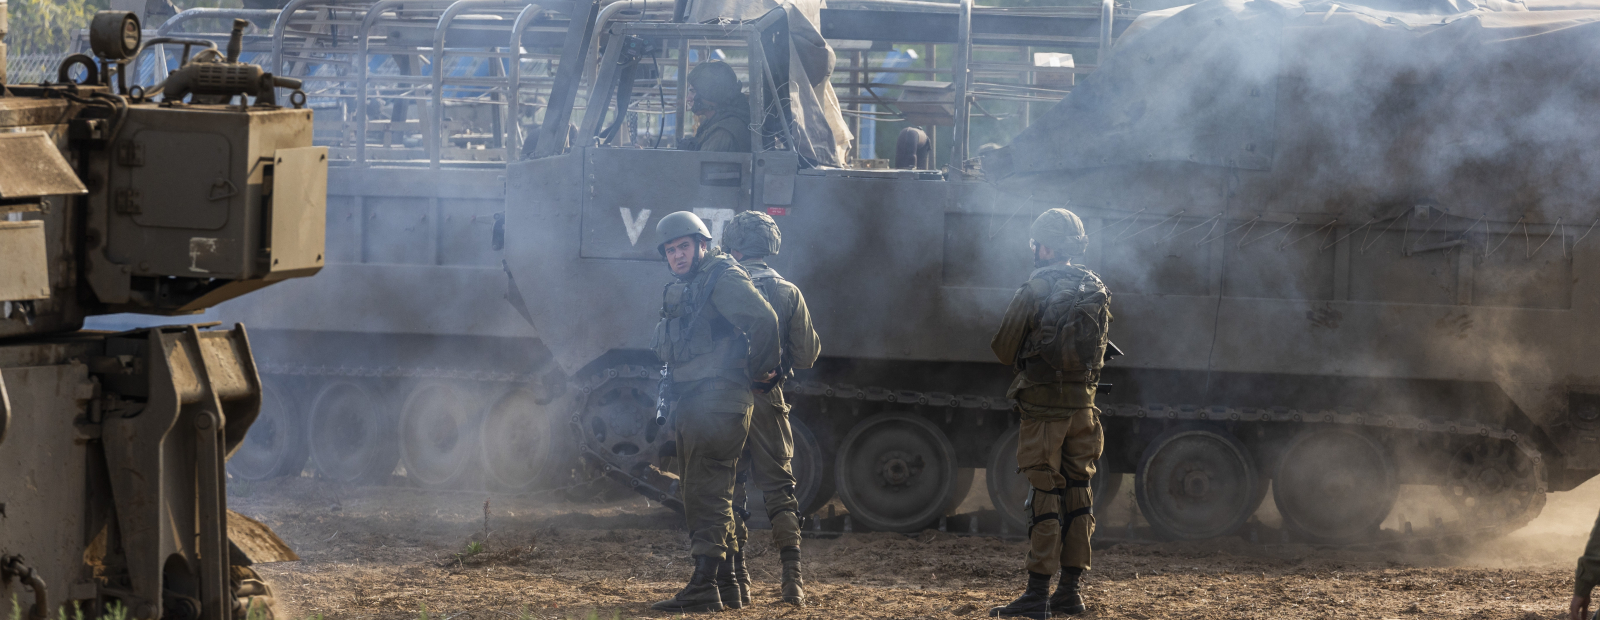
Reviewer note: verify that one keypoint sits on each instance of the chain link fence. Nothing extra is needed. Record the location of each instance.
(33, 68)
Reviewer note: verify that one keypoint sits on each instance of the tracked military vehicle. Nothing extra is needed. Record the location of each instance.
(158, 199)
(403, 351)
(1331, 277)
(1253, 359)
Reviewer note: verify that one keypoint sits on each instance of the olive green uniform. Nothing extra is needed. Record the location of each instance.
(1059, 441)
(727, 130)
(770, 448)
(713, 356)
(1588, 575)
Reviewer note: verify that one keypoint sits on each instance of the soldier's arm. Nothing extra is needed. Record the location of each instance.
(802, 337)
(737, 300)
(1016, 324)
(1588, 575)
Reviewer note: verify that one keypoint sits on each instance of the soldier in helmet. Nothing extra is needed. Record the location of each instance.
(751, 237)
(1054, 335)
(719, 103)
(718, 337)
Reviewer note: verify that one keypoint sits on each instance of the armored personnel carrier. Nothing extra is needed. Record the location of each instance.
(435, 372)
(1340, 371)
(165, 199)
(1333, 273)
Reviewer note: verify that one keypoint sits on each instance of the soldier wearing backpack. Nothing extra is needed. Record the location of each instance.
(717, 336)
(1054, 335)
(751, 237)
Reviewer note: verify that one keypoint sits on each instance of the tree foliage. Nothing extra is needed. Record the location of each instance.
(47, 26)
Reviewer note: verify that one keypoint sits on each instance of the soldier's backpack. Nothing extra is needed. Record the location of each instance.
(766, 282)
(1074, 317)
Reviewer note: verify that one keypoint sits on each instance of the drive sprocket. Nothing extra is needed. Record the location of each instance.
(1493, 484)
(614, 424)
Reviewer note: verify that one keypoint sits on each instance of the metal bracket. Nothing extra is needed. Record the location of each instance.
(222, 188)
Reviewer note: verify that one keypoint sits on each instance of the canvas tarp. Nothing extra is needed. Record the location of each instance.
(819, 128)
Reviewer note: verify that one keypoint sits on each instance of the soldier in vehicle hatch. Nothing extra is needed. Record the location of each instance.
(718, 101)
(751, 237)
(717, 336)
(1054, 334)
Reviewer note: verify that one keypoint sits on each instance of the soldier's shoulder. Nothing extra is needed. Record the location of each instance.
(726, 264)
(1035, 287)
(1090, 276)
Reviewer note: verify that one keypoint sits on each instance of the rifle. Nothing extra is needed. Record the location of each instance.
(664, 395)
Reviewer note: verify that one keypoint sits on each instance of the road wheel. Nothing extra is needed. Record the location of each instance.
(1008, 490)
(276, 444)
(1334, 486)
(1196, 482)
(813, 469)
(352, 438)
(896, 472)
(517, 438)
(438, 434)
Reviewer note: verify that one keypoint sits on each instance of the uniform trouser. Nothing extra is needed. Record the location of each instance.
(766, 462)
(1058, 458)
(711, 423)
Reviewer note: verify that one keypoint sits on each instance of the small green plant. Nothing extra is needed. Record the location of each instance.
(77, 612)
(473, 548)
(423, 615)
(16, 608)
(115, 611)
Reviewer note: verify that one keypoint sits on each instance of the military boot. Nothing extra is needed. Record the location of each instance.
(1034, 602)
(727, 586)
(793, 587)
(1067, 601)
(741, 576)
(700, 594)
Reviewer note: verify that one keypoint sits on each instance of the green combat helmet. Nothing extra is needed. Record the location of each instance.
(753, 234)
(678, 224)
(1060, 230)
(714, 82)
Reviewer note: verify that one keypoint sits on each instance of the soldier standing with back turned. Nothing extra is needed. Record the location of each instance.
(716, 336)
(1054, 334)
(751, 237)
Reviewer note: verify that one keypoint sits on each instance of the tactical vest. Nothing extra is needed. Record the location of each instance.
(1074, 315)
(766, 280)
(692, 338)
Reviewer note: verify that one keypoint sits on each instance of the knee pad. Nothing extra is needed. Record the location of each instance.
(1044, 479)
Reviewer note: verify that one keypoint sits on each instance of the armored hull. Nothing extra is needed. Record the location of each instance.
(115, 443)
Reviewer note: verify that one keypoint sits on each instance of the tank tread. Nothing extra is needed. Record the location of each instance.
(847, 392)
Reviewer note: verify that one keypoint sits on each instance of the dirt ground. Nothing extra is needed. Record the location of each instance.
(388, 552)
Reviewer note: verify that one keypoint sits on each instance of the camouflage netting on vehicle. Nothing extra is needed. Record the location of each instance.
(1331, 108)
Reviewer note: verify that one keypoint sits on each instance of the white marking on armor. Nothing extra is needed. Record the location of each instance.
(635, 224)
(715, 218)
(200, 247)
